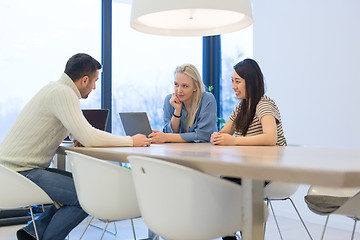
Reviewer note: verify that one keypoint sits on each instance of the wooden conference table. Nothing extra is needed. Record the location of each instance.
(254, 164)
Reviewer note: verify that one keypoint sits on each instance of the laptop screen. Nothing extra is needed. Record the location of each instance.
(135, 122)
(97, 117)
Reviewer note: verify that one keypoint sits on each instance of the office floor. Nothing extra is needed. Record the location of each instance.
(291, 230)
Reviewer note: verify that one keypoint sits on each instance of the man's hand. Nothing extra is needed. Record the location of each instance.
(77, 143)
(140, 140)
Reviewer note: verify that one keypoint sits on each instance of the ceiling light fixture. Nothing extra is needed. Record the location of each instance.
(190, 17)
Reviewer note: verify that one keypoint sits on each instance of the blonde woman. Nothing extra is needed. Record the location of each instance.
(190, 112)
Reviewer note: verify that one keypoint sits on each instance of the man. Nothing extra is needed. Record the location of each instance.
(45, 121)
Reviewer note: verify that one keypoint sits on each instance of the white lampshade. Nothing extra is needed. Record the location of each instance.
(190, 17)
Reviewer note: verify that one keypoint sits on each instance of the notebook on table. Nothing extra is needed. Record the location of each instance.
(135, 122)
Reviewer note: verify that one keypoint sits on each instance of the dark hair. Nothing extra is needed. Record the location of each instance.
(81, 64)
(249, 70)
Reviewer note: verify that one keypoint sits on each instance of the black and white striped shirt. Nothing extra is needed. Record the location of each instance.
(266, 106)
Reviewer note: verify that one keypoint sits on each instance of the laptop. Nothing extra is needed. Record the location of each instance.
(135, 122)
(97, 117)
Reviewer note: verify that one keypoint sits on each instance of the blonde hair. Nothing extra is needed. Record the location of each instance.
(191, 71)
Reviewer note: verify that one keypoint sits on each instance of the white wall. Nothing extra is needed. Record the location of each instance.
(309, 52)
(310, 56)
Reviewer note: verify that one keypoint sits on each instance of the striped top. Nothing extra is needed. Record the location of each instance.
(265, 106)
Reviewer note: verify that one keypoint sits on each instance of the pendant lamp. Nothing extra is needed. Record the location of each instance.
(190, 17)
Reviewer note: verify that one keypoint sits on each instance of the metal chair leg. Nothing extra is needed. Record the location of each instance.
(297, 212)
(104, 230)
(353, 232)
(33, 220)
(132, 225)
(277, 225)
(113, 233)
(326, 222)
(267, 205)
(86, 228)
(303, 223)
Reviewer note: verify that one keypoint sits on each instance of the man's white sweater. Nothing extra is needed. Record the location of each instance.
(45, 121)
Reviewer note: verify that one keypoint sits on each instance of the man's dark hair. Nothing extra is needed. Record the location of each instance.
(81, 64)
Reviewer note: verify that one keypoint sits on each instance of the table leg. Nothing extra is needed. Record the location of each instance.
(60, 161)
(253, 209)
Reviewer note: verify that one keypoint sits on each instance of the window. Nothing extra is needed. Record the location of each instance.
(36, 44)
(143, 67)
(234, 47)
(37, 39)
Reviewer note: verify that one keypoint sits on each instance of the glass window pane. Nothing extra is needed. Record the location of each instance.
(143, 67)
(37, 39)
(234, 47)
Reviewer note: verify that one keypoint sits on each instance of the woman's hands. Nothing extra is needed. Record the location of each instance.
(176, 103)
(175, 120)
(157, 137)
(267, 138)
(220, 138)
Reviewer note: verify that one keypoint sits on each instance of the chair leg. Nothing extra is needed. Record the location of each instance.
(112, 233)
(32, 217)
(326, 222)
(353, 232)
(104, 230)
(115, 233)
(33, 220)
(267, 205)
(86, 228)
(277, 225)
(132, 225)
(303, 223)
(297, 212)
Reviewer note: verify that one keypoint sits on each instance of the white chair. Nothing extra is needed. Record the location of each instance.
(105, 190)
(18, 191)
(177, 202)
(279, 191)
(328, 200)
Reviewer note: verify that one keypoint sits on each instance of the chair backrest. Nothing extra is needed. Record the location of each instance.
(280, 190)
(350, 207)
(332, 191)
(18, 191)
(177, 202)
(105, 190)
